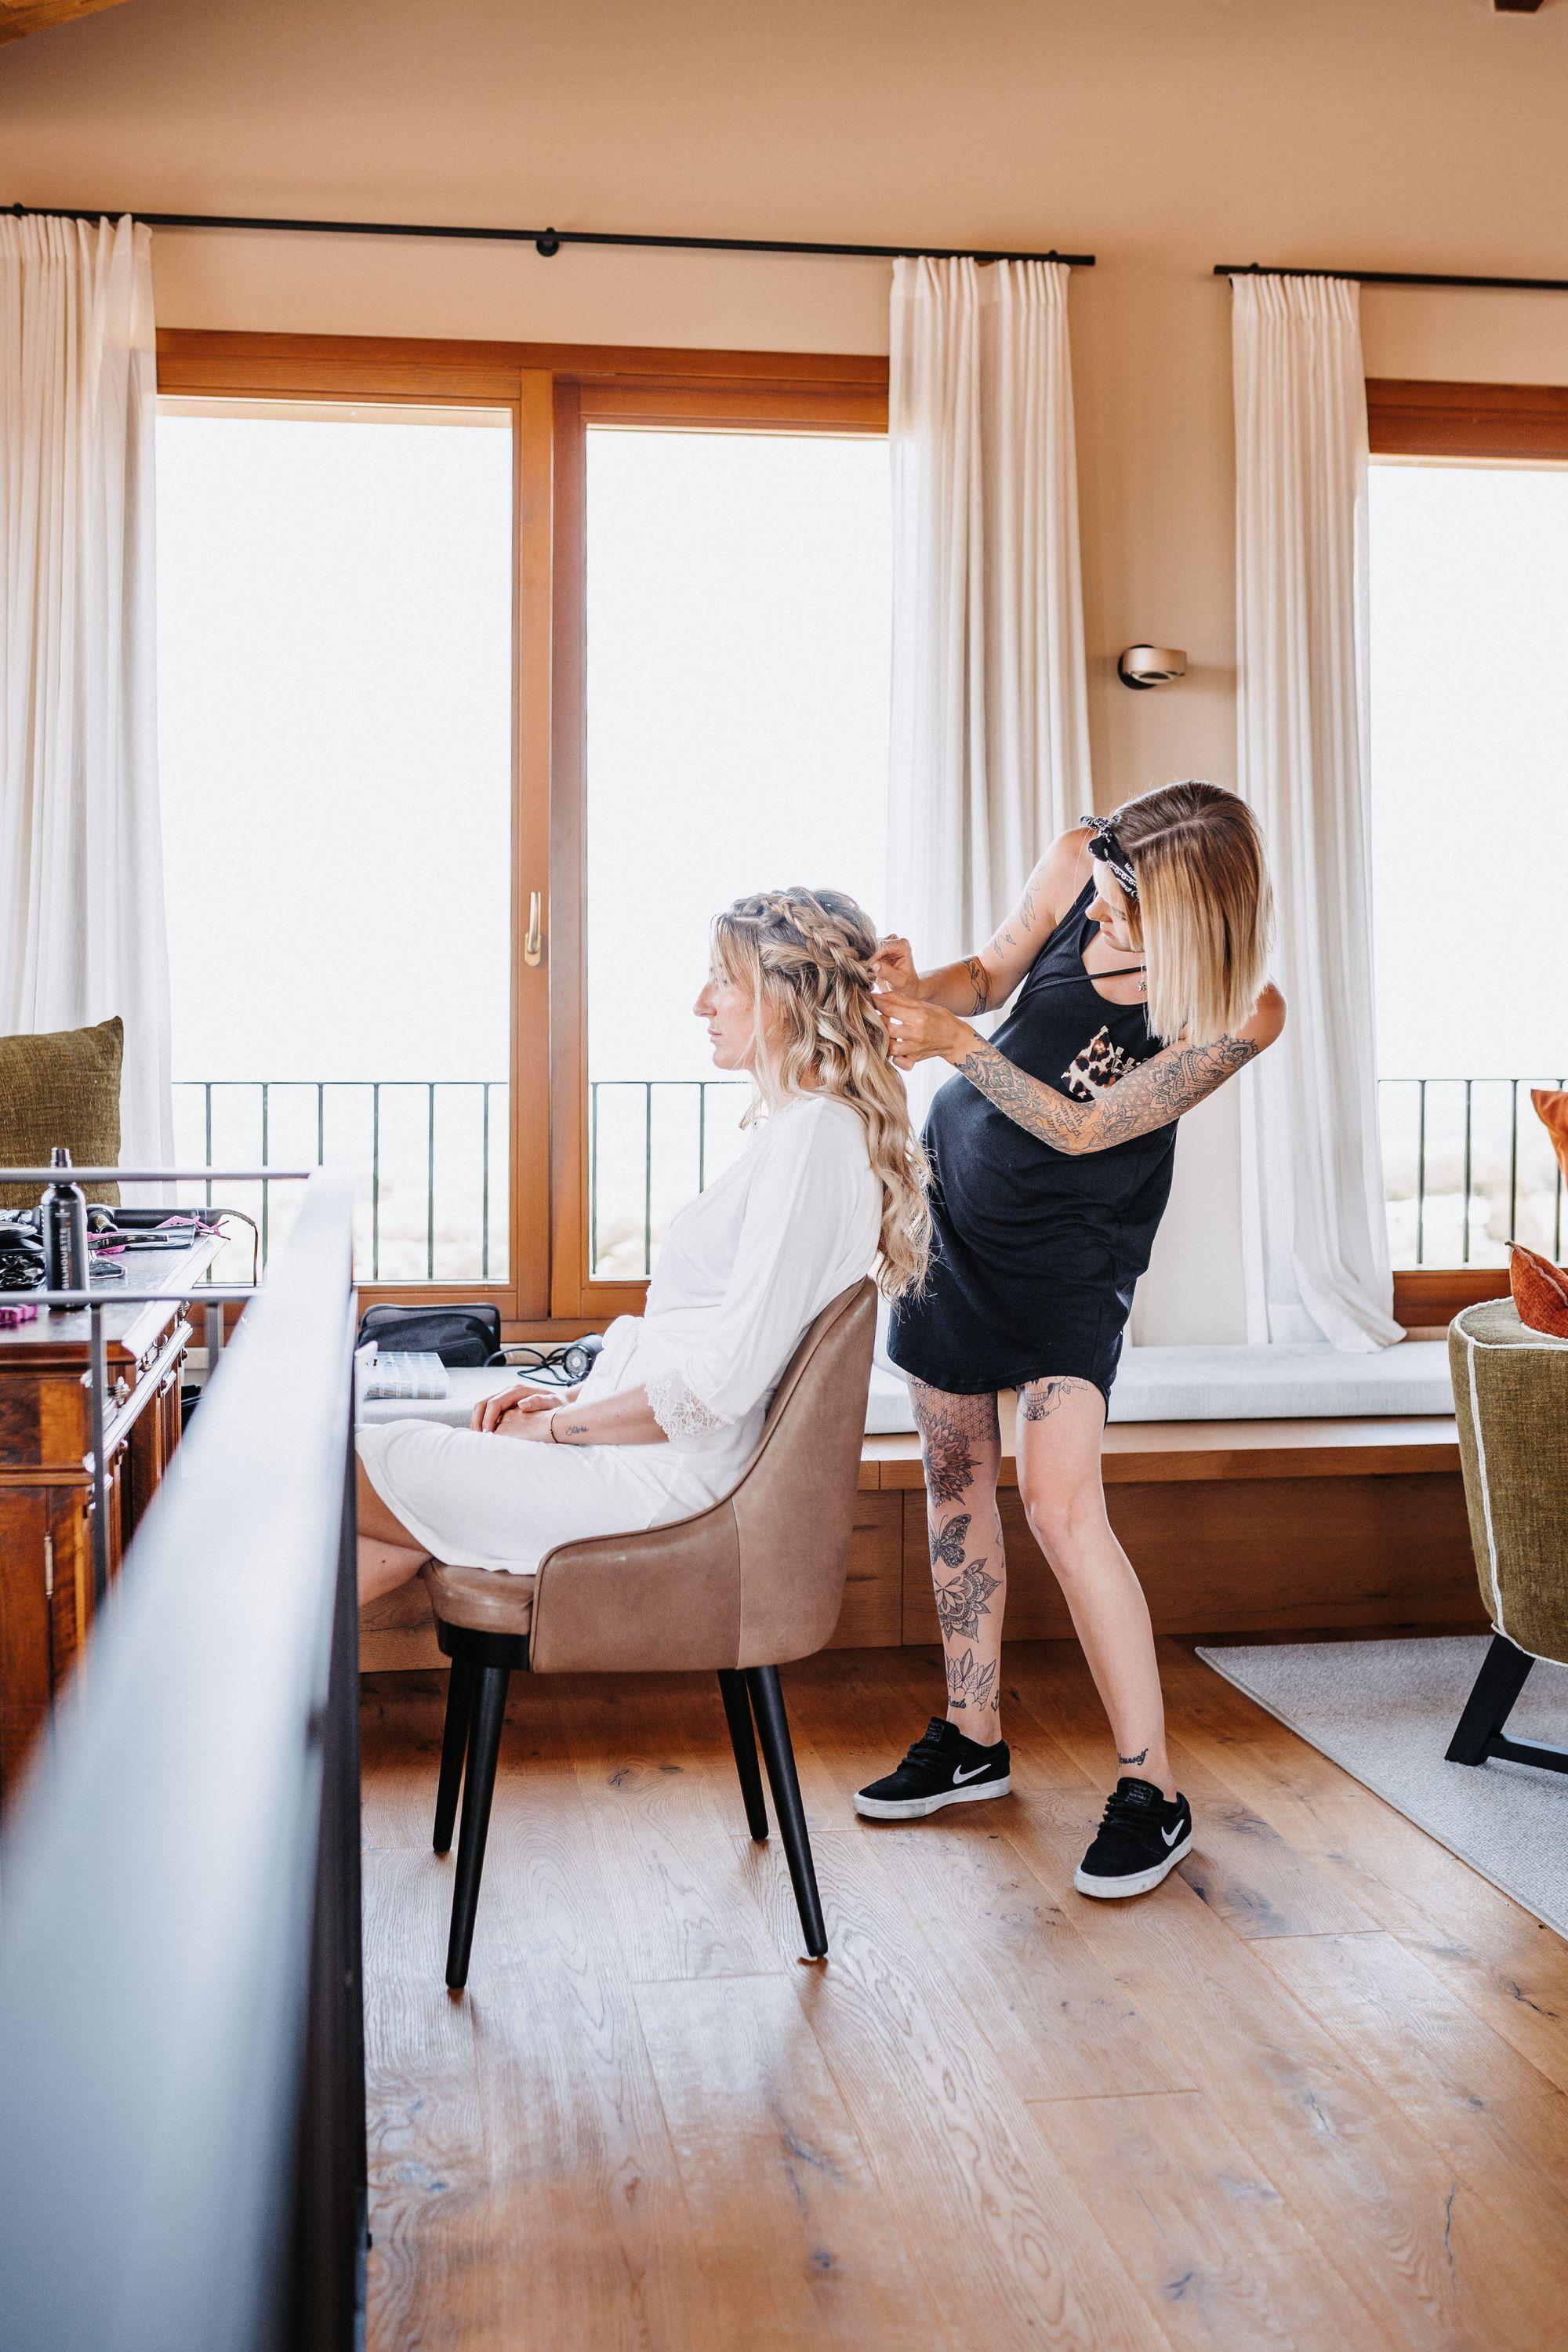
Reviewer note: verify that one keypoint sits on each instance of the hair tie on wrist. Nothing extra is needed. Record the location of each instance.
(554, 1439)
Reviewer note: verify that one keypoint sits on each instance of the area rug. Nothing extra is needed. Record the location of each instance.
(1386, 1711)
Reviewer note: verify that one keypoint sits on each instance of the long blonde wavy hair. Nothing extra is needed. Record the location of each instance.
(804, 957)
(1204, 914)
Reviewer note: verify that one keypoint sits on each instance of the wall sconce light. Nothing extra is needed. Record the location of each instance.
(1141, 667)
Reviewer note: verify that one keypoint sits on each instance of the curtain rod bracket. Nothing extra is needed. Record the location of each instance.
(549, 245)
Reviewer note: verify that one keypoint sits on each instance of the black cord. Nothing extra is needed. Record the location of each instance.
(550, 1370)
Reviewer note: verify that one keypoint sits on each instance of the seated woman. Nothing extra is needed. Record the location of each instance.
(831, 1187)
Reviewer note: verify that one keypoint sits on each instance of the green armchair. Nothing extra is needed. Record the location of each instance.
(1511, 1396)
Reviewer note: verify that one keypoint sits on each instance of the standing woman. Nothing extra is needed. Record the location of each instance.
(1141, 943)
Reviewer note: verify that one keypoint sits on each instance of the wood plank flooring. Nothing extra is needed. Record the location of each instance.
(1311, 2093)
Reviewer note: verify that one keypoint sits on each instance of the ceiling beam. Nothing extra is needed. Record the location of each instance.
(20, 17)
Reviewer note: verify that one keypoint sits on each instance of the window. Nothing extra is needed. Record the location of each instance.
(738, 594)
(335, 747)
(487, 673)
(1469, 595)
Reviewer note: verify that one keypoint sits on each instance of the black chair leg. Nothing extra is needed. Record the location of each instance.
(454, 1740)
(479, 1787)
(1499, 1683)
(742, 1739)
(773, 1728)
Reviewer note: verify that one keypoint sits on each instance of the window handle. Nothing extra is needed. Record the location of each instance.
(533, 943)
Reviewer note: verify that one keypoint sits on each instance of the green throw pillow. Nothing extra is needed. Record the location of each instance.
(61, 1088)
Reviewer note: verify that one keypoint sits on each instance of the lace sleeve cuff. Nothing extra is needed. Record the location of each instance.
(682, 1417)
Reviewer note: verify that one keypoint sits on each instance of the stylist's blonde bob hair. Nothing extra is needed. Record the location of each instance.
(1204, 913)
(805, 957)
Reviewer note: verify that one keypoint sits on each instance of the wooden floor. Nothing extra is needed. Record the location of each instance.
(1309, 2093)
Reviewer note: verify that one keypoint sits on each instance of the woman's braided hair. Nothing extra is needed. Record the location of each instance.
(805, 957)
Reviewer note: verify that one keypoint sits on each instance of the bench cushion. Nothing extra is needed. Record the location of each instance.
(1243, 1384)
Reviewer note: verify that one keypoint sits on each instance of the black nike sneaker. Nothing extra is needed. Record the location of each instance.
(1138, 1843)
(942, 1767)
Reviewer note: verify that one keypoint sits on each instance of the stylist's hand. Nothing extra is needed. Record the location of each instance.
(894, 966)
(489, 1415)
(921, 1033)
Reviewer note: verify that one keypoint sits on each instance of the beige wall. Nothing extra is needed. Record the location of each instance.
(1162, 135)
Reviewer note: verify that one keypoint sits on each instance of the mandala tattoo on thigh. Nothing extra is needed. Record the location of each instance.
(951, 1436)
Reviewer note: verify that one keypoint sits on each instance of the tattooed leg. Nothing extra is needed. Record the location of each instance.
(961, 1447)
(1061, 1426)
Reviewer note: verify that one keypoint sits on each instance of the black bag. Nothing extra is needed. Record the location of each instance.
(461, 1336)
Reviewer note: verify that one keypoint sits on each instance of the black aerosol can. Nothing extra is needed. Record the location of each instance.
(62, 1212)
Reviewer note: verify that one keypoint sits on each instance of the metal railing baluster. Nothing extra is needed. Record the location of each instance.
(1465, 1204)
(266, 1162)
(375, 1182)
(1421, 1176)
(594, 1185)
(1513, 1157)
(648, 1178)
(430, 1189)
(485, 1191)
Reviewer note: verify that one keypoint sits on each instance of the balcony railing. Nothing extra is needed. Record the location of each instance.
(433, 1158)
(1467, 1166)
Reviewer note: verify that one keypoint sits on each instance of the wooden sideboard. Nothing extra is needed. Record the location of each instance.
(46, 1487)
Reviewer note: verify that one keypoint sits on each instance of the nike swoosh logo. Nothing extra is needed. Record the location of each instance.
(1171, 1836)
(972, 1774)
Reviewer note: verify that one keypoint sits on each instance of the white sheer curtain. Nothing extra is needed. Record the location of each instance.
(1316, 1233)
(82, 881)
(990, 729)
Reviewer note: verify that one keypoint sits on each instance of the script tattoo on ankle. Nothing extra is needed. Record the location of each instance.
(1141, 1757)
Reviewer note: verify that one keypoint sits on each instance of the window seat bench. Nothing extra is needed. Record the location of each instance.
(1300, 1507)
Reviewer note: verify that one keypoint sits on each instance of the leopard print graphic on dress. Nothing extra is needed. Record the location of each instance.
(1098, 1065)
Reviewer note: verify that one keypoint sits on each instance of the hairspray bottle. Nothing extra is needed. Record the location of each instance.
(62, 1212)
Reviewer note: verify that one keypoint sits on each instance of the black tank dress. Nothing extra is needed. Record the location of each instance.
(1036, 1251)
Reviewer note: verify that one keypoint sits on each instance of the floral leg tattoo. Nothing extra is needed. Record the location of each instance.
(959, 1438)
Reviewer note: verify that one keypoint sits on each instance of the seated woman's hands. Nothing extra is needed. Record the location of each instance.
(516, 1411)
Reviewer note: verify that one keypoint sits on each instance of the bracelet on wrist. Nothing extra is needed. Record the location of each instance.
(554, 1439)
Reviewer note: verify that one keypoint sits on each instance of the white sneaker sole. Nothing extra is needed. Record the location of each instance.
(1111, 1890)
(915, 1809)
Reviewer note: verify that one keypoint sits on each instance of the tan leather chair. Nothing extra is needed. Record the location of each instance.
(741, 1588)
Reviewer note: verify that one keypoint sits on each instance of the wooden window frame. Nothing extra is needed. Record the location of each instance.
(1517, 424)
(554, 392)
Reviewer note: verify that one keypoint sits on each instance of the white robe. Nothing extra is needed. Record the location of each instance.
(745, 1269)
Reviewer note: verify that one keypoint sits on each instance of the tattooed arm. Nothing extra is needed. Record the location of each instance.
(1150, 1097)
(985, 980)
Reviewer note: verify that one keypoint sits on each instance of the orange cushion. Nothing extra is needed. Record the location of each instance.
(1551, 1108)
(1540, 1291)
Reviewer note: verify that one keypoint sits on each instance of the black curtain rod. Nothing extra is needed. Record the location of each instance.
(547, 241)
(1396, 277)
